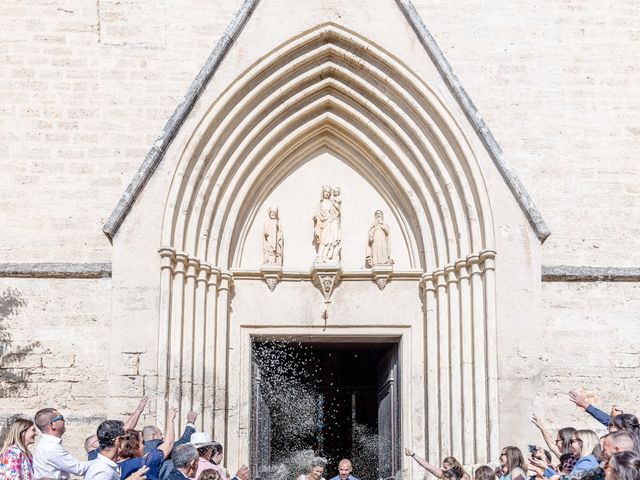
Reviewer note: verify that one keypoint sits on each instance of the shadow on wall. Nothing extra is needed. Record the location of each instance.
(12, 377)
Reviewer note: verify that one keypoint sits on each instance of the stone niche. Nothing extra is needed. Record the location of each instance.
(297, 196)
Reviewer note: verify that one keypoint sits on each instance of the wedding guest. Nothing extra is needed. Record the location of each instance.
(16, 462)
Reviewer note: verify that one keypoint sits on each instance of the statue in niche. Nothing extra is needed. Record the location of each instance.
(273, 239)
(326, 226)
(378, 247)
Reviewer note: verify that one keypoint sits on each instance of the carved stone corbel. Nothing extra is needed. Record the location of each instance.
(326, 277)
(271, 274)
(381, 274)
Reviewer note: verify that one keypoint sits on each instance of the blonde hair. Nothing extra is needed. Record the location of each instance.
(15, 434)
(589, 441)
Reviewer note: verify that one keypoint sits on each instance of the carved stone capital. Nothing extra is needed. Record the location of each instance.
(326, 277)
(168, 256)
(214, 277)
(271, 274)
(450, 274)
(473, 262)
(381, 274)
(488, 258)
(439, 278)
(182, 259)
(204, 273)
(193, 267)
(427, 283)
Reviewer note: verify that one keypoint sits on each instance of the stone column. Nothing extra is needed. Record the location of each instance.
(487, 257)
(431, 375)
(167, 256)
(479, 358)
(209, 360)
(222, 325)
(444, 371)
(175, 340)
(199, 336)
(188, 318)
(453, 300)
(466, 339)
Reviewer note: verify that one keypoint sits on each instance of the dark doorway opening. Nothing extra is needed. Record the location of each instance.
(334, 400)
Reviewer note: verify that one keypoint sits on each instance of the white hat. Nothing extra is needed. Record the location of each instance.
(200, 439)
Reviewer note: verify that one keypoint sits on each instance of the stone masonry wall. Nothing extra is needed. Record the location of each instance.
(85, 88)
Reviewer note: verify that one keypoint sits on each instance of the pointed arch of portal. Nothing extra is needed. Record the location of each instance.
(331, 88)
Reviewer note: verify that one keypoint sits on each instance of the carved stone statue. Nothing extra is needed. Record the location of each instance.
(378, 247)
(273, 239)
(326, 226)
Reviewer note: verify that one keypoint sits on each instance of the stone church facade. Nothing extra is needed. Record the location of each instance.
(492, 306)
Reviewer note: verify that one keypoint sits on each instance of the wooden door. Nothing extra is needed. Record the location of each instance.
(388, 415)
(260, 426)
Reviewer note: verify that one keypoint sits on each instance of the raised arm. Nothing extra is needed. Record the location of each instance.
(169, 433)
(189, 429)
(423, 463)
(577, 398)
(132, 421)
(548, 438)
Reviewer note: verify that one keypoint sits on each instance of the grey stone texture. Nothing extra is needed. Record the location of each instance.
(568, 273)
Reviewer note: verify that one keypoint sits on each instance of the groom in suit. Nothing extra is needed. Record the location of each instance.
(344, 470)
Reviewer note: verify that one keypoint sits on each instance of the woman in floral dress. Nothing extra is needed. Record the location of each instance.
(16, 462)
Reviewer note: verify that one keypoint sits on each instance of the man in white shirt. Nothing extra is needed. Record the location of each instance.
(50, 459)
(104, 466)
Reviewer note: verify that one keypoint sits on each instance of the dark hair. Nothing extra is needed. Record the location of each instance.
(625, 466)
(216, 447)
(130, 445)
(203, 450)
(514, 458)
(209, 474)
(628, 423)
(43, 417)
(566, 434)
(108, 431)
(485, 472)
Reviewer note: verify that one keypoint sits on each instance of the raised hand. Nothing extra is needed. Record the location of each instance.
(408, 453)
(537, 422)
(191, 416)
(143, 403)
(243, 473)
(576, 397)
(171, 414)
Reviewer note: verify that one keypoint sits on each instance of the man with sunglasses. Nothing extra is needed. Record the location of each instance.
(50, 459)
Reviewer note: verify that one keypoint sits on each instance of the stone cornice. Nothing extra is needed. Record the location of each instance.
(55, 270)
(567, 273)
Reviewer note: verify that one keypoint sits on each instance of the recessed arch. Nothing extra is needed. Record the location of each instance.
(412, 115)
(330, 88)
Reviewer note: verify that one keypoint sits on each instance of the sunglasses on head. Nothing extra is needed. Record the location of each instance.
(56, 418)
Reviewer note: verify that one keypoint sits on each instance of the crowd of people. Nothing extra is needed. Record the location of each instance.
(118, 451)
(573, 454)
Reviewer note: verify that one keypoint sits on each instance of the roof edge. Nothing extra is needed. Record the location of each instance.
(179, 116)
(471, 112)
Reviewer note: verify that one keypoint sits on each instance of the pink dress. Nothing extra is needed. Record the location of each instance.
(206, 465)
(16, 464)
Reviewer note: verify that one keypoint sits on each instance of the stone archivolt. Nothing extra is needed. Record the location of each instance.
(332, 89)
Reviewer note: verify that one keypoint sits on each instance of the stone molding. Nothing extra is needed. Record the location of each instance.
(516, 187)
(55, 270)
(568, 273)
(173, 125)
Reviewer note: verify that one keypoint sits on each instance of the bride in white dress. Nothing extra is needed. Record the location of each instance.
(316, 469)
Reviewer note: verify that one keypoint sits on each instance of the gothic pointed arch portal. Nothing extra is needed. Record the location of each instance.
(331, 92)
